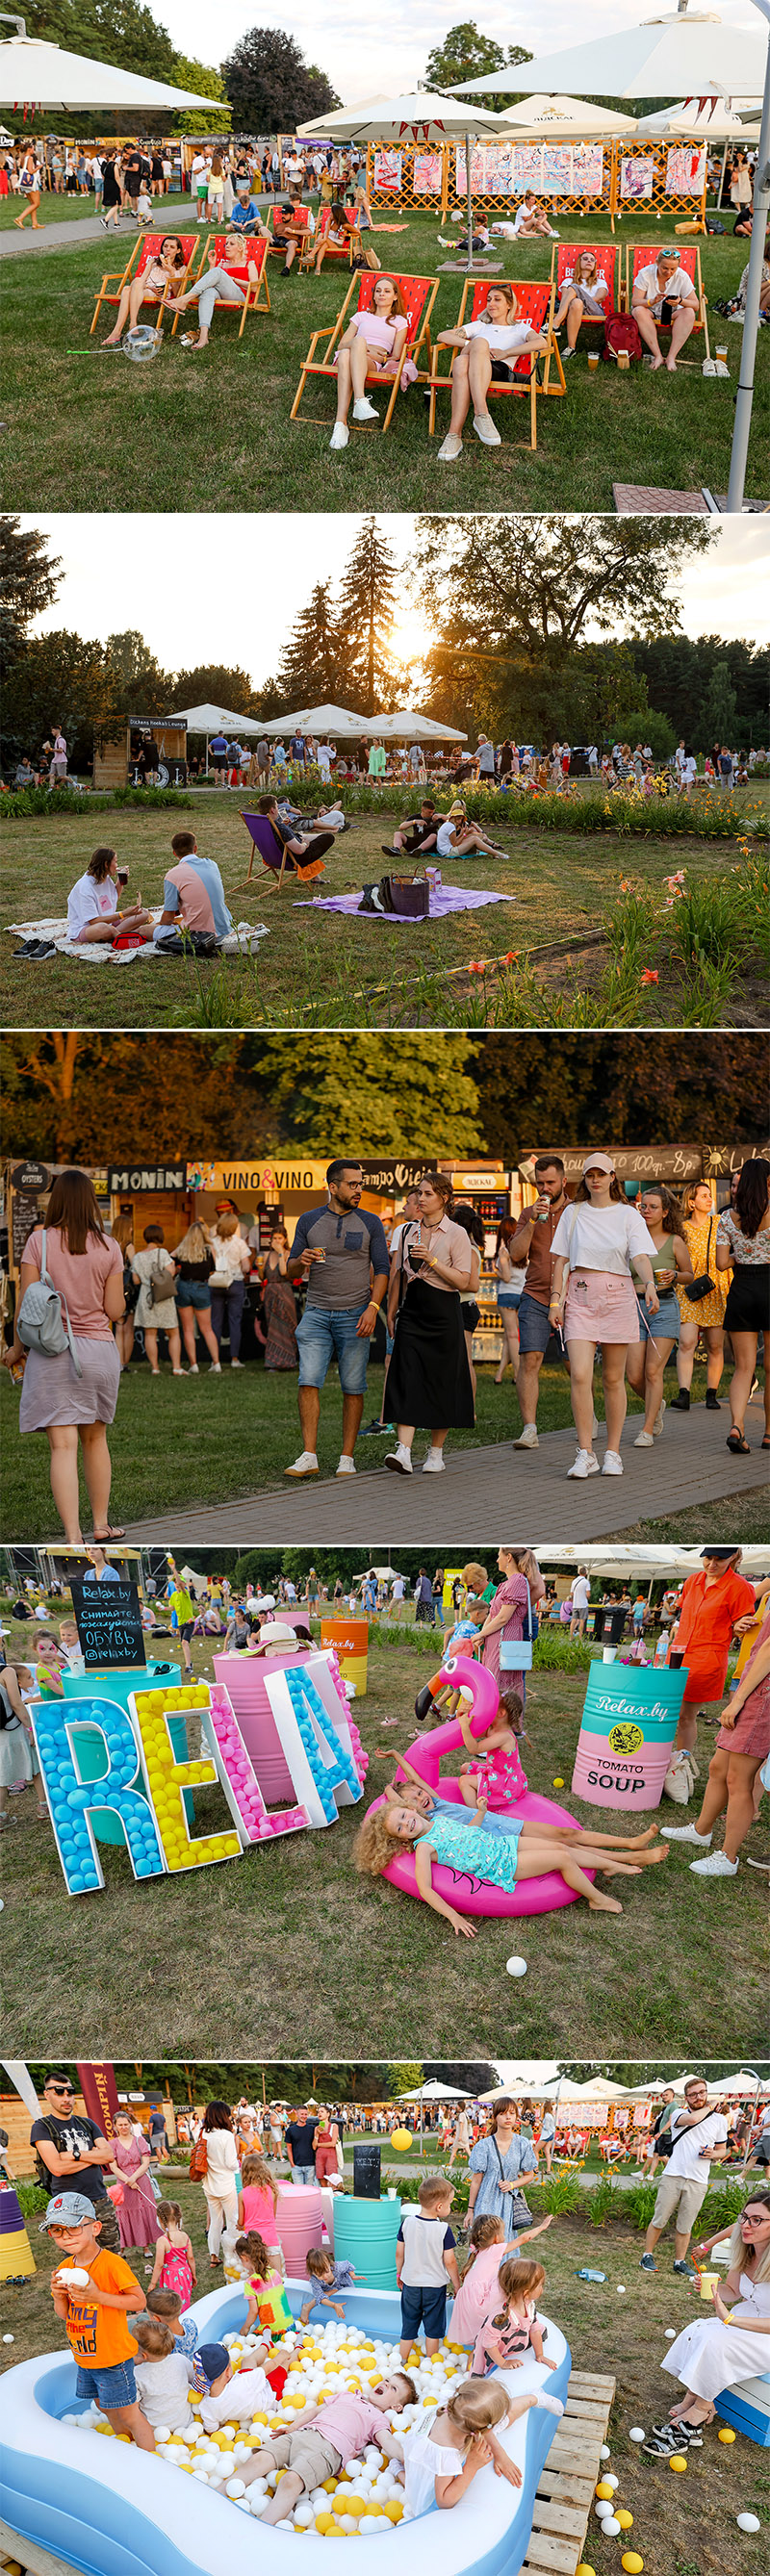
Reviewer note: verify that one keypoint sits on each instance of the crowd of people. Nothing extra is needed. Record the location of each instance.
(280, 763)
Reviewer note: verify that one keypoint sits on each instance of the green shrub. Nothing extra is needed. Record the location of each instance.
(554, 1651)
(638, 2205)
(71, 800)
(600, 2203)
(559, 2194)
(32, 2199)
(723, 2204)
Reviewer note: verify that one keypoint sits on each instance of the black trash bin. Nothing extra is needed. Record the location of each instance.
(366, 2170)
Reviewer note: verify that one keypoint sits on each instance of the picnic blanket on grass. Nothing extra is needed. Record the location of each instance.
(443, 899)
(99, 952)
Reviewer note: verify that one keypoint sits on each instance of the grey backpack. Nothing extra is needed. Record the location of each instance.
(44, 1323)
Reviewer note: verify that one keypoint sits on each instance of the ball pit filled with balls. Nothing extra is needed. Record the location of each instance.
(75, 2487)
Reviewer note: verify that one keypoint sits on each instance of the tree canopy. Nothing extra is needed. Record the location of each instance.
(29, 580)
(367, 603)
(466, 54)
(270, 86)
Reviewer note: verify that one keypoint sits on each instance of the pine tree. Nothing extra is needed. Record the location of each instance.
(367, 606)
(29, 580)
(313, 667)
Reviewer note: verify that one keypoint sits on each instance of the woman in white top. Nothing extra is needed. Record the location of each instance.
(429, 1380)
(485, 351)
(456, 838)
(92, 904)
(583, 298)
(593, 1299)
(532, 219)
(220, 2187)
(663, 292)
(154, 1315)
(718, 2352)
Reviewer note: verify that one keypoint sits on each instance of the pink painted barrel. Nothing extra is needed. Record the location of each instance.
(299, 2219)
(244, 1677)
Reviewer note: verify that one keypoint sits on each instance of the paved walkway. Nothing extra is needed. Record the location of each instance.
(473, 1501)
(90, 228)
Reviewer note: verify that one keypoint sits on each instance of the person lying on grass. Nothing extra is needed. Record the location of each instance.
(486, 353)
(217, 285)
(456, 838)
(323, 2439)
(373, 344)
(664, 293)
(473, 1810)
(502, 1860)
(92, 903)
(157, 280)
(583, 297)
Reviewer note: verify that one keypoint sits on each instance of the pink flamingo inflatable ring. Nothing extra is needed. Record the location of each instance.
(470, 1895)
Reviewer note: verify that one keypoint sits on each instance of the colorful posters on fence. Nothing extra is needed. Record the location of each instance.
(588, 170)
(686, 170)
(637, 172)
(550, 169)
(387, 173)
(426, 174)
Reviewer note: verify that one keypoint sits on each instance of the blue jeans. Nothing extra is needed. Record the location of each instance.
(322, 1337)
(534, 1324)
(115, 2387)
(233, 1299)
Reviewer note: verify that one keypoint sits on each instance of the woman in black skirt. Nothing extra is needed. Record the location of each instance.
(743, 1245)
(429, 1380)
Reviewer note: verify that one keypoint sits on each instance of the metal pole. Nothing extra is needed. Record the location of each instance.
(469, 260)
(745, 395)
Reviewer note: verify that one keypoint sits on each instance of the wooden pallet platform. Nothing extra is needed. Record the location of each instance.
(29, 2555)
(566, 2490)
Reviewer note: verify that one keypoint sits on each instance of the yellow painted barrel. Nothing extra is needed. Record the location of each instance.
(350, 1639)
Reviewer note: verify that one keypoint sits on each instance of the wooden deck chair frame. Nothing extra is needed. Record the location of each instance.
(276, 874)
(111, 276)
(441, 382)
(256, 299)
(332, 332)
(638, 257)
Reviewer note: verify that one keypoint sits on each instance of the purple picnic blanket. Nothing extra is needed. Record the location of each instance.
(445, 898)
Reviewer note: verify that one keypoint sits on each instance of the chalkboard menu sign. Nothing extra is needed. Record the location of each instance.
(29, 1183)
(109, 1625)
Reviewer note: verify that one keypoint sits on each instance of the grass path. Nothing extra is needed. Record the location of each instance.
(188, 434)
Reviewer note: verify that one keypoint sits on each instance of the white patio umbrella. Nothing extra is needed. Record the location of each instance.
(422, 116)
(562, 115)
(730, 118)
(341, 722)
(672, 54)
(209, 720)
(406, 724)
(35, 74)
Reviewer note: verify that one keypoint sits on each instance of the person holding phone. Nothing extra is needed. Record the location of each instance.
(429, 1379)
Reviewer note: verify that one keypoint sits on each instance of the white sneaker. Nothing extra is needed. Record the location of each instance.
(193, 1370)
(717, 1865)
(644, 1440)
(305, 1465)
(685, 1834)
(452, 447)
(485, 429)
(237, 1363)
(433, 1465)
(346, 1466)
(365, 410)
(340, 434)
(215, 1369)
(613, 1463)
(585, 1464)
(659, 1419)
(400, 1460)
(528, 1438)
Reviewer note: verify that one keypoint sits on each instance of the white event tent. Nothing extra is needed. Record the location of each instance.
(672, 54)
(209, 720)
(35, 74)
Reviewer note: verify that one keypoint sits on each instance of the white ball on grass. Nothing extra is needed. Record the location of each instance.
(516, 1967)
(636, 2433)
(748, 2521)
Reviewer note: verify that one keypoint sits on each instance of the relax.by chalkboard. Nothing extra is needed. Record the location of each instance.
(109, 1624)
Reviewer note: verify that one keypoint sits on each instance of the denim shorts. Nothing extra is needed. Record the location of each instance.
(322, 1337)
(193, 1292)
(108, 2388)
(534, 1324)
(422, 2306)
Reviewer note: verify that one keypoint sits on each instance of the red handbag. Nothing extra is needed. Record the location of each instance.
(622, 332)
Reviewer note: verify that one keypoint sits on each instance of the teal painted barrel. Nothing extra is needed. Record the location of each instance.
(365, 2233)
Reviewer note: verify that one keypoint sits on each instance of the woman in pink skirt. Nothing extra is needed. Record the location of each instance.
(740, 1752)
(130, 2166)
(593, 1301)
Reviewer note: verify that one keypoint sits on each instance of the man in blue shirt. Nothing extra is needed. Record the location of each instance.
(218, 751)
(341, 1251)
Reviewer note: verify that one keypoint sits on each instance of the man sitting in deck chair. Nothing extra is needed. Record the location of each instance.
(296, 853)
(486, 349)
(216, 286)
(663, 292)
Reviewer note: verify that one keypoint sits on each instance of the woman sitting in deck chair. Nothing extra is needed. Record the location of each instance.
(486, 350)
(216, 286)
(582, 299)
(156, 282)
(373, 344)
(297, 854)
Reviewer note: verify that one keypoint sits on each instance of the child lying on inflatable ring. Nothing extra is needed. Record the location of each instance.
(501, 1859)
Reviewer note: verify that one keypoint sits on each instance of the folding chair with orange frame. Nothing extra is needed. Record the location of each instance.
(535, 305)
(149, 250)
(419, 296)
(688, 254)
(256, 292)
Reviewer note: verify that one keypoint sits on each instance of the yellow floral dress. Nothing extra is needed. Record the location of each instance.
(711, 1309)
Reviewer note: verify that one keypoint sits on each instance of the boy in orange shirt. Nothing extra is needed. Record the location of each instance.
(95, 2312)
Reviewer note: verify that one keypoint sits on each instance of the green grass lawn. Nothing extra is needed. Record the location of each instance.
(318, 969)
(149, 438)
(226, 1962)
(683, 2526)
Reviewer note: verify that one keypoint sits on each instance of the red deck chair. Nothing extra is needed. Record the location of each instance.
(333, 250)
(419, 296)
(606, 256)
(689, 260)
(256, 292)
(273, 853)
(148, 250)
(535, 304)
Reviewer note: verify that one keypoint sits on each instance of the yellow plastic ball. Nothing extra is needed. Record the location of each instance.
(323, 2522)
(584, 2569)
(393, 2509)
(558, 1784)
(632, 2563)
(725, 2433)
(625, 2519)
(678, 2461)
(603, 2489)
(401, 2139)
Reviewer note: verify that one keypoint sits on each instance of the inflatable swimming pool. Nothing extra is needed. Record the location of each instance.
(471, 1895)
(111, 2510)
